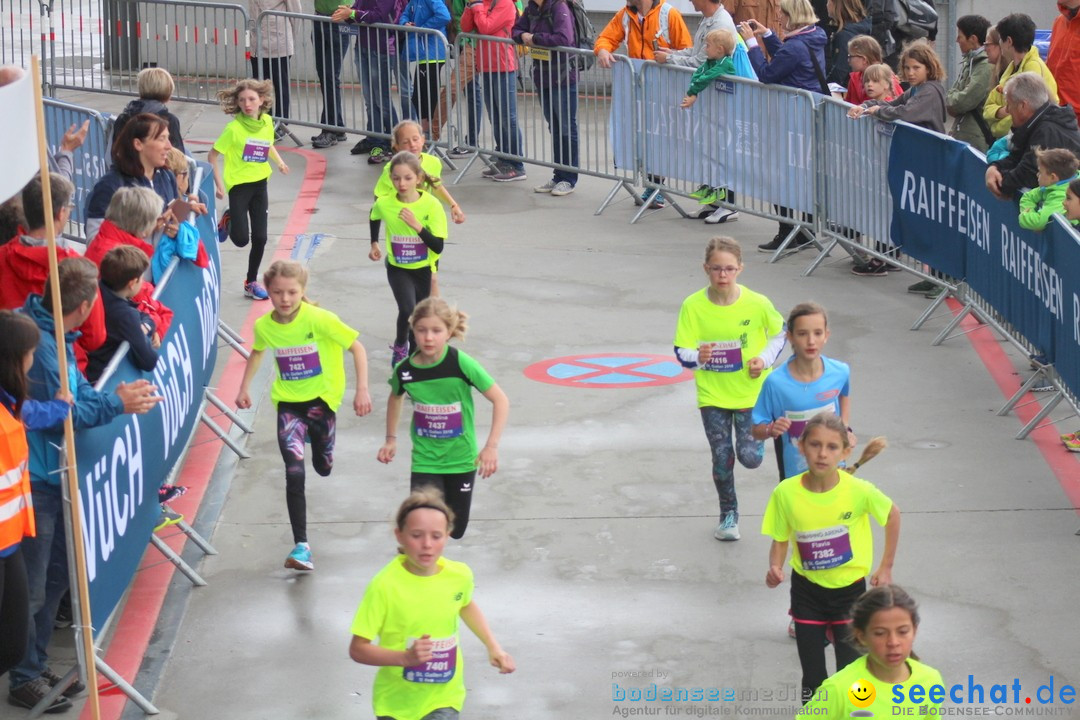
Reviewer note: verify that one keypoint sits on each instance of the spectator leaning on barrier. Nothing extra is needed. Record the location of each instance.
(645, 26)
(1016, 38)
(429, 54)
(372, 47)
(122, 271)
(1064, 57)
(1037, 123)
(270, 55)
(797, 60)
(24, 262)
(549, 24)
(923, 103)
(849, 19)
(965, 99)
(329, 43)
(1057, 168)
(863, 52)
(140, 156)
(156, 87)
(46, 554)
(713, 17)
(497, 64)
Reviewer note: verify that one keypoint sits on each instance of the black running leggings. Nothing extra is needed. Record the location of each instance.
(14, 610)
(409, 288)
(457, 490)
(313, 420)
(249, 199)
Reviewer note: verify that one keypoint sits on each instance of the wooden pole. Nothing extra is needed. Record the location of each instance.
(84, 633)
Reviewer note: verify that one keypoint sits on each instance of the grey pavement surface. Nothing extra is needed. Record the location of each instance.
(592, 546)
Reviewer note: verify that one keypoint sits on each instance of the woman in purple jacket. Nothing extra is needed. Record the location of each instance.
(549, 24)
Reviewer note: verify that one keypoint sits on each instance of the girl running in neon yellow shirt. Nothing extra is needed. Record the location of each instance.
(307, 344)
(730, 336)
(415, 233)
(411, 607)
(826, 511)
(884, 621)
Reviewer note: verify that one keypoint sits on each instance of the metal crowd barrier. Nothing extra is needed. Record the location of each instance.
(91, 161)
(100, 45)
(545, 112)
(756, 141)
(23, 23)
(368, 91)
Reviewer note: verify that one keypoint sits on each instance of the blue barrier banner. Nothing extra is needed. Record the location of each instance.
(1015, 273)
(122, 464)
(1066, 347)
(92, 160)
(755, 139)
(937, 209)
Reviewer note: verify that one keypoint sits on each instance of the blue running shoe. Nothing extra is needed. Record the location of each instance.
(224, 225)
(300, 558)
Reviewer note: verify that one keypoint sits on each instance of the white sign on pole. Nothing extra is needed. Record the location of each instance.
(18, 126)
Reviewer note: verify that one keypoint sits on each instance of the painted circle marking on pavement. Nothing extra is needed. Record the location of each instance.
(609, 371)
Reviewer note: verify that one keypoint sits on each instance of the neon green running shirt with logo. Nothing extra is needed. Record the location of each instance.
(404, 248)
(443, 429)
(738, 333)
(399, 607)
(307, 354)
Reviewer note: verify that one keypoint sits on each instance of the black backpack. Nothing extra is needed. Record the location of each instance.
(584, 35)
(914, 19)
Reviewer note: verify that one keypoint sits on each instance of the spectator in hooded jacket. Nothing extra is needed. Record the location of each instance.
(156, 88)
(1016, 38)
(1037, 122)
(645, 26)
(1064, 57)
(965, 99)
(24, 262)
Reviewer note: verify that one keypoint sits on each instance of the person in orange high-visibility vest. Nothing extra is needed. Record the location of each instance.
(16, 507)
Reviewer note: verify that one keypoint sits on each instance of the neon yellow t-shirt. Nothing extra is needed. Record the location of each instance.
(832, 545)
(739, 332)
(307, 354)
(832, 700)
(246, 151)
(430, 164)
(404, 248)
(398, 607)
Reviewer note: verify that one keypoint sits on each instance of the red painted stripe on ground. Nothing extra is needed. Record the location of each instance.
(1064, 464)
(136, 623)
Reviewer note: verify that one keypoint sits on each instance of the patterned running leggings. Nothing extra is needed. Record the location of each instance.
(720, 425)
(313, 420)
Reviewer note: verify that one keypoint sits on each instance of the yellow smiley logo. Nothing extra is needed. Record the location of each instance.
(862, 693)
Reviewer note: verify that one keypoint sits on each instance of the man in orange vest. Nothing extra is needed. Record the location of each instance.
(46, 554)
